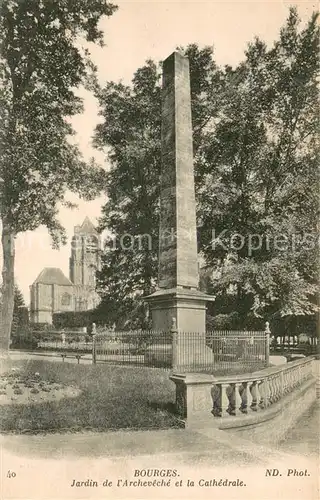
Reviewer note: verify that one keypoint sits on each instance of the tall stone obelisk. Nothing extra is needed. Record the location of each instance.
(178, 297)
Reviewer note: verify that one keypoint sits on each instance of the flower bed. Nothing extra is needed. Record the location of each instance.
(17, 387)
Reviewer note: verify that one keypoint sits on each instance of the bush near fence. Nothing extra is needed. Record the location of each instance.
(73, 319)
(52, 341)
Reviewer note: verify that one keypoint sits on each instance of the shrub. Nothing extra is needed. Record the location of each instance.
(23, 343)
(40, 327)
(72, 319)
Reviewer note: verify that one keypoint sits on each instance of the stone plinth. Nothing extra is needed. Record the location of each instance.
(186, 309)
(193, 398)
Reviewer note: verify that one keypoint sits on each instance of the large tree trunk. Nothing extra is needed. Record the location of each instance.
(7, 288)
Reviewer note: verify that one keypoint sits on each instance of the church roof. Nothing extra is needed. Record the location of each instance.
(52, 276)
(87, 226)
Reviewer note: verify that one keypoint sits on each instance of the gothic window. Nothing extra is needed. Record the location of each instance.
(66, 299)
(91, 244)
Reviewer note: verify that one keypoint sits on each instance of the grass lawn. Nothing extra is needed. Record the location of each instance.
(111, 398)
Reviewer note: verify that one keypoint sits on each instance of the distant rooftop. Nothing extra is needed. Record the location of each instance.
(86, 227)
(52, 275)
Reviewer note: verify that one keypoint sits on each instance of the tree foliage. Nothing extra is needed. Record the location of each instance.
(255, 151)
(131, 134)
(42, 63)
(19, 313)
(265, 180)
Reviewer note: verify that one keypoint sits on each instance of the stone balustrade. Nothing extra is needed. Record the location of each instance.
(254, 392)
(200, 398)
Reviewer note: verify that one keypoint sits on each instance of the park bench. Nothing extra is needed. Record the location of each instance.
(71, 355)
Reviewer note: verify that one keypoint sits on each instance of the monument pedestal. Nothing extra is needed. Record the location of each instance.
(186, 309)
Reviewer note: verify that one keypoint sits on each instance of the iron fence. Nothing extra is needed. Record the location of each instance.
(138, 347)
(211, 352)
(184, 351)
(220, 351)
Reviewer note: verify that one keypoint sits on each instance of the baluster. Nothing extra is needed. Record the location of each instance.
(275, 388)
(307, 368)
(272, 390)
(224, 401)
(267, 392)
(281, 382)
(255, 396)
(216, 403)
(246, 397)
(262, 394)
(279, 377)
(299, 375)
(237, 398)
(232, 400)
(295, 377)
(286, 382)
(291, 380)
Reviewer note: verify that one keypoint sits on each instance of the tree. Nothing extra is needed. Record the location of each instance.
(131, 135)
(18, 304)
(265, 179)
(255, 151)
(42, 62)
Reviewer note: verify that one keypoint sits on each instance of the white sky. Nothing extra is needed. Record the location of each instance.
(136, 32)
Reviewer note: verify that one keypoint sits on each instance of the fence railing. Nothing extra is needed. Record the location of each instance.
(222, 351)
(138, 347)
(184, 351)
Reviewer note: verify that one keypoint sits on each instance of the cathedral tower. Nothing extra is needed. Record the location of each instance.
(84, 262)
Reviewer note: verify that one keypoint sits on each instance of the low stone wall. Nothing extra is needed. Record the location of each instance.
(241, 403)
(270, 426)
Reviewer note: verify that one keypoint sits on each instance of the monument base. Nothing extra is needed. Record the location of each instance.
(186, 309)
(183, 306)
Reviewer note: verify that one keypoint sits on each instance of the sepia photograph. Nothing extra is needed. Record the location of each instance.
(159, 257)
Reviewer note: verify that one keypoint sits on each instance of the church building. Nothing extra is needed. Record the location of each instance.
(53, 292)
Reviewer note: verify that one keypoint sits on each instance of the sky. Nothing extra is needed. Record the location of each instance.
(138, 31)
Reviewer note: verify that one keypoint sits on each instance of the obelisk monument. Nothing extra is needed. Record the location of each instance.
(178, 298)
